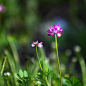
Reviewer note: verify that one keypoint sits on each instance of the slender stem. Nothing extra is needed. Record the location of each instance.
(41, 66)
(38, 59)
(47, 81)
(3, 65)
(8, 83)
(58, 58)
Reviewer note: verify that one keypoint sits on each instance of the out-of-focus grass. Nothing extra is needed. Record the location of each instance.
(82, 64)
(33, 76)
(12, 66)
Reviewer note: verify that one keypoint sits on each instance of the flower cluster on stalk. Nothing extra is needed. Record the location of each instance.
(55, 29)
(37, 44)
(52, 29)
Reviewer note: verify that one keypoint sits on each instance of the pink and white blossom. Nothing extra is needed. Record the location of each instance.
(55, 29)
(37, 44)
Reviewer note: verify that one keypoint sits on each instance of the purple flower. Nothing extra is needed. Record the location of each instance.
(2, 8)
(37, 44)
(55, 29)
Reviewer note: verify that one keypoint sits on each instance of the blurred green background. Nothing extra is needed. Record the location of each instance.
(25, 21)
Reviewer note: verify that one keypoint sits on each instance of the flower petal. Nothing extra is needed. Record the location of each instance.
(55, 30)
(40, 42)
(40, 45)
(59, 35)
(61, 31)
(32, 45)
(36, 42)
(57, 25)
(48, 31)
(49, 34)
(50, 27)
(54, 26)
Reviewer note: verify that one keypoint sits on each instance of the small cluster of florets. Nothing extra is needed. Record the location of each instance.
(37, 44)
(55, 29)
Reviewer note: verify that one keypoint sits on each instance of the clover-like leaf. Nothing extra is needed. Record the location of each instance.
(17, 76)
(25, 74)
(66, 81)
(21, 73)
(76, 82)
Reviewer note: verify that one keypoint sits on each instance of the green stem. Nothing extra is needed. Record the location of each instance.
(83, 67)
(58, 58)
(47, 81)
(41, 66)
(38, 59)
(3, 65)
(8, 83)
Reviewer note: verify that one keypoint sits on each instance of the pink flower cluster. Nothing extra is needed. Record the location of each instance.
(2, 8)
(55, 29)
(37, 44)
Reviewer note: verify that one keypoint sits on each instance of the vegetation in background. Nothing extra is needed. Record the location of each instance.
(21, 22)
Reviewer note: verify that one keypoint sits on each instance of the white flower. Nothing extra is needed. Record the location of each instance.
(7, 74)
(38, 82)
(77, 48)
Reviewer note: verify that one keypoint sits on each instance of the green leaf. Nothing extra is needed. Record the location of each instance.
(66, 82)
(16, 75)
(37, 79)
(82, 65)
(12, 65)
(76, 82)
(25, 74)
(21, 73)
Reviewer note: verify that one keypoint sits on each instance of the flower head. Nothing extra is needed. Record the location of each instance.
(37, 44)
(55, 29)
(38, 82)
(2, 8)
(7, 74)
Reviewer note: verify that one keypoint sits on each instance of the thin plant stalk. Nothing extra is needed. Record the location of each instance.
(38, 59)
(58, 58)
(3, 65)
(82, 64)
(47, 81)
(12, 66)
(8, 83)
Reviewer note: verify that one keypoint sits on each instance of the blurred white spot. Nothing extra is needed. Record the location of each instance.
(38, 82)
(7, 74)
(62, 22)
(52, 55)
(63, 67)
(47, 60)
(68, 52)
(74, 59)
(77, 48)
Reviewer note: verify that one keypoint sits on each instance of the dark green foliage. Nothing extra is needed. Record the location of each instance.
(22, 78)
(66, 82)
(76, 82)
(34, 77)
